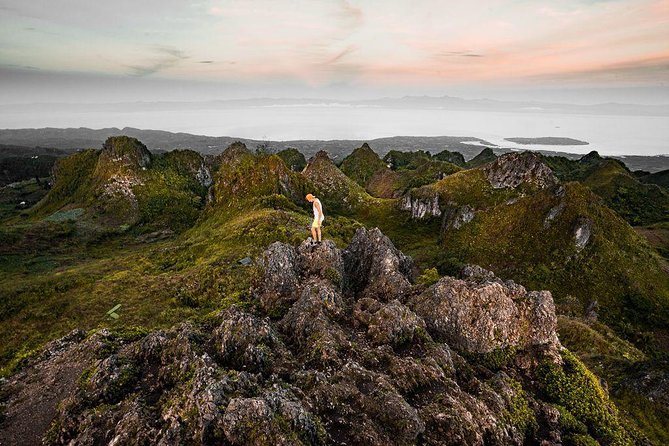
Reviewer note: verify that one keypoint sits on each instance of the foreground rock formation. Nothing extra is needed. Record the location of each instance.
(341, 348)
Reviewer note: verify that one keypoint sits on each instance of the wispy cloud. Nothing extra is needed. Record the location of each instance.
(458, 54)
(163, 59)
(351, 15)
(341, 55)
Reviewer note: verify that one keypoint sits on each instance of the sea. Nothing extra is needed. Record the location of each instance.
(608, 134)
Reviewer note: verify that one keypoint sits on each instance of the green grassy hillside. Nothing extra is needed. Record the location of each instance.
(362, 164)
(452, 157)
(124, 186)
(484, 157)
(408, 170)
(293, 159)
(638, 203)
(660, 178)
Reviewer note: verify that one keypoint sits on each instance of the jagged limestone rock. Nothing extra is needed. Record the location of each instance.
(513, 169)
(582, 232)
(276, 418)
(392, 323)
(457, 217)
(553, 214)
(481, 314)
(321, 259)
(246, 342)
(281, 274)
(375, 268)
(421, 207)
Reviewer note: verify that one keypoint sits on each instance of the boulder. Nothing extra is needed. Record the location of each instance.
(457, 217)
(363, 407)
(245, 342)
(309, 324)
(582, 232)
(481, 313)
(375, 268)
(391, 323)
(281, 275)
(275, 418)
(321, 260)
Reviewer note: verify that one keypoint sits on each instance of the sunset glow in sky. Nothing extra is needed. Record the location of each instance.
(343, 42)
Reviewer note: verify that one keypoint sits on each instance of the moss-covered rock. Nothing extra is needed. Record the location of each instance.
(337, 192)
(244, 179)
(638, 203)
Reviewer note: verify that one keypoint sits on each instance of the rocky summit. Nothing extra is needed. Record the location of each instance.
(341, 348)
(513, 169)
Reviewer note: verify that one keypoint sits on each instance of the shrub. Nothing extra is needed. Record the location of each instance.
(429, 277)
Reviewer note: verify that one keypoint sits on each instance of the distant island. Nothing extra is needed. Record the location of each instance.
(549, 141)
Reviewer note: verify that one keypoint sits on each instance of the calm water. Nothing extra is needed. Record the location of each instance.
(614, 135)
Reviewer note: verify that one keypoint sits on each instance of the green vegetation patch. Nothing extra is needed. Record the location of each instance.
(293, 158)
(574, 387)
(362, 164)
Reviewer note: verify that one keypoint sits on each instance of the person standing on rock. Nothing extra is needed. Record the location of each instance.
(318, 217)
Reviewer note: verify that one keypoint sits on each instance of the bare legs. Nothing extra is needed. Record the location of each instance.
(315, 234)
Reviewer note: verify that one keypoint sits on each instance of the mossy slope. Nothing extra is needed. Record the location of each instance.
(514, 236)
(124, 184)
(362, 164)
(484, 157)
(636, 202)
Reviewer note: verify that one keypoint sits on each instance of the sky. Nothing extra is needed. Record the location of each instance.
(103, 51)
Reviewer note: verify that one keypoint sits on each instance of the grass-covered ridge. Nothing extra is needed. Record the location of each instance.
(362, 164)
(513, 237)
(635, 201)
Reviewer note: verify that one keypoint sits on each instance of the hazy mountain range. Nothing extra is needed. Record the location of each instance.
(406, 102)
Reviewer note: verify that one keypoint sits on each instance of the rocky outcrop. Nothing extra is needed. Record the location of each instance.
(513, 169)
(332, 185)
(481, 313)
(375, 268)
(234, 153)
(582, 232)
(421, 207)
(392, 324)
(123, 153)
(241, 177)
(457, 217)
(342, 349)
(554, 212)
